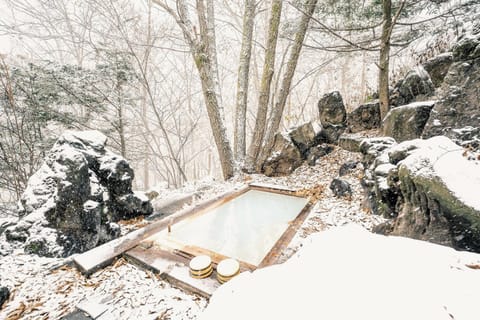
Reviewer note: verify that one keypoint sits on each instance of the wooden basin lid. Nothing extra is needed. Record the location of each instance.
(228, 268)
(200, 263)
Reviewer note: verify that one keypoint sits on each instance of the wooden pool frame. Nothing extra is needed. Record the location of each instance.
(90, 261)
(190, 251)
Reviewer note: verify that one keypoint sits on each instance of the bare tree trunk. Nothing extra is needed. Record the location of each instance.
(363, 80)
(212, 50)
(120, 117)
(264, 94)
(384, 60)
(345, 80)
(200, 48)
(146, 159)
(277, 111)
(242, 81)
(209, 79)
(121, 131)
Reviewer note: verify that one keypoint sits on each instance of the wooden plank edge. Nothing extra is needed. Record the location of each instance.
(101, 256)
(268, 186)
(185, 286)
(164, 274)
(283, 242)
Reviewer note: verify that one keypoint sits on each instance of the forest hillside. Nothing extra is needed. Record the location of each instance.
(121, 119)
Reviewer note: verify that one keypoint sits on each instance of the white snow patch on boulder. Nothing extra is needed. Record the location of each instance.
(441, 157)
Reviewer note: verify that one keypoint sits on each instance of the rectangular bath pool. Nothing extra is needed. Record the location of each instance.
(247, 227)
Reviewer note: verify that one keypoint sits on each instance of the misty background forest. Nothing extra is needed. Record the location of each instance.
(191, 89)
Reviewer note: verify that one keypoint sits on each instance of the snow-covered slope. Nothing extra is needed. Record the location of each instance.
(348, 273)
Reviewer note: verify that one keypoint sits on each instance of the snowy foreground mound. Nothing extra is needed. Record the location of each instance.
(349, 273)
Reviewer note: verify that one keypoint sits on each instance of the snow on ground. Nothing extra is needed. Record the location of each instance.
(134, 293)
(129, 292)
(348, 273)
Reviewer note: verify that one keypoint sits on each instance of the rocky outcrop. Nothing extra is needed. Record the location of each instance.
(457, 114)
(429, 188)
(350, 141)
(347, 167)
(306, 135)
(364, 117)
(333, 116)
(407, 122)
(4, 295)
(292, 148)
(284, 158)
(416, 86)
(317, 152)
(7, 222)
(308, 141)
(72, 202)
(379, 180)
(437, 67)
(331, 109)
(371, 148)
(340, 188)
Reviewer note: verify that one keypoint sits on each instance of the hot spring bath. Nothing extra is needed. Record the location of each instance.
(247, 227)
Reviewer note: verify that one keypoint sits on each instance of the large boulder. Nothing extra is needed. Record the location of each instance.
(379, 180)
(347, 167)
(467, 48)
(459, 106)
(437, 67)
(290, 149)
(350, 141)
(407, 122)
(416, 86)
(340, 188)
(4, 295)
(331, 109)
(364, 117)
(284, 158)
(372, 148)
(317, 152)
(306, 135)
(430, 189)
(333, 116)
(71, 203)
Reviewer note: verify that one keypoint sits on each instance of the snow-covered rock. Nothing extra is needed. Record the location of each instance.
(4, 295)
(285, 157)
(364, 117)
(71, 202)
(430, 188)
(306, 135)
(340, 188)
(416, 86)
(437, 67)
(439, 185)
(459, 106)
(314, 154)
(348, 273)
(331, 109)
(332, 115)
(407, 122)
(350, 141)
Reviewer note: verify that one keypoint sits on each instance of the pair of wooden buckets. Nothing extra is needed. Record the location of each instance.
(201, 267)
